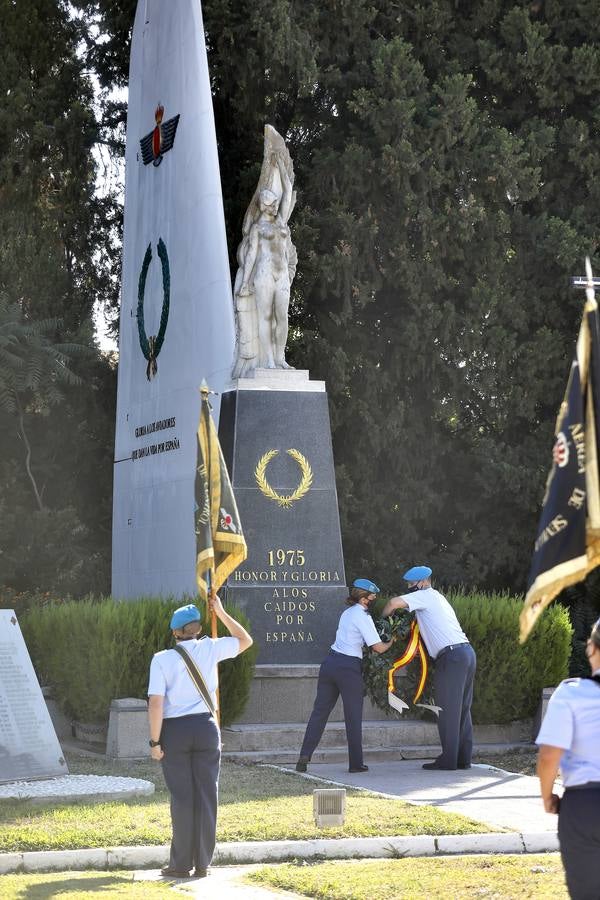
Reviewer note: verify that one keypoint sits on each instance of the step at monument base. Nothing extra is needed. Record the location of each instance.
(288, 758)
(392, 739)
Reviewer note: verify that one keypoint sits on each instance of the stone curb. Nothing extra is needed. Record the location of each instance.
(244, 852)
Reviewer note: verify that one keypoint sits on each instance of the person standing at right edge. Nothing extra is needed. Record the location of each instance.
(570, 738)
(455, 664)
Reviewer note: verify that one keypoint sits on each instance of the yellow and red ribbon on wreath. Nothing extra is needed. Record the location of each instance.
(414, 647)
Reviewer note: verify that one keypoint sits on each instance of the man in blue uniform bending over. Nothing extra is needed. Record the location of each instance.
(455, 664)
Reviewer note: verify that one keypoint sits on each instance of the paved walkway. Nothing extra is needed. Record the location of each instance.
(498, 798)
(222, 883)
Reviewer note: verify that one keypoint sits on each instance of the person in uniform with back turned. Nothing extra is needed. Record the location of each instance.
(184, 734)
(341, 673)
(455, 664)
(569, 738)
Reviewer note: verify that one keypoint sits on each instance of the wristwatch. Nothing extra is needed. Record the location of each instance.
(154, 743)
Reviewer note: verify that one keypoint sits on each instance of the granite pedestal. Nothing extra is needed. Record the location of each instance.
(276, 437)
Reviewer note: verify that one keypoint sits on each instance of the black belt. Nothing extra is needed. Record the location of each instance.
(452, 647)
(345, 655)
(592, 785)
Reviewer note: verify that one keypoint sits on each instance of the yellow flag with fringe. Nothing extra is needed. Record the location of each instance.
(220, 542)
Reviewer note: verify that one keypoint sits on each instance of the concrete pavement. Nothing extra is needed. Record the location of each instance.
(222, 883)
(485, 793)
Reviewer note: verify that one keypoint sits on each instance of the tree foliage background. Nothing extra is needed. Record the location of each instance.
(56, 243)
(448, 181)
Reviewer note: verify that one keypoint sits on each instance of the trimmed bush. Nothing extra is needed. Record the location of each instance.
(94, 650)
(509, 678)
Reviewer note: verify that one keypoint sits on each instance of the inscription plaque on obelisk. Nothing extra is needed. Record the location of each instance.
(29, 748)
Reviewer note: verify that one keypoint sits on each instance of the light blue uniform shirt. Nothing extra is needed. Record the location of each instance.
(572, 722)
(437, 620)
(169, 677)
(355, 628)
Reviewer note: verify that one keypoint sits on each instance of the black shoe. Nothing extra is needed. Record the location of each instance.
(200, 873)
(168, 872)
(436, 765)
(359, 769)
(466, 766)
(302, 763)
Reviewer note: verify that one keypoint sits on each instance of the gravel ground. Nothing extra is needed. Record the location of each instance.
(521, 761)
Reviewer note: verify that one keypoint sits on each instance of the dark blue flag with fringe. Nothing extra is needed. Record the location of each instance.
(567, 545)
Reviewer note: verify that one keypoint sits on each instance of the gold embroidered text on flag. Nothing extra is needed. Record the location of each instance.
(567, 546)
(220, 543)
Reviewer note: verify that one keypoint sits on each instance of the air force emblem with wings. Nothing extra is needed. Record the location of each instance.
(160, 140)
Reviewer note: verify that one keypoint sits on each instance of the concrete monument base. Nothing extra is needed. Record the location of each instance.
(285, 694)
(128, 729)
(69, 788)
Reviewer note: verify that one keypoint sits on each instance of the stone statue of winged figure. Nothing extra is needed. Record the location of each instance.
(267, 264)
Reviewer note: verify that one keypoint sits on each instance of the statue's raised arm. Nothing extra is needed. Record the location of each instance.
(267, 264)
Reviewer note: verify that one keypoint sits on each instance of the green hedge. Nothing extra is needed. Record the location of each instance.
(94, 650)
(509, 678)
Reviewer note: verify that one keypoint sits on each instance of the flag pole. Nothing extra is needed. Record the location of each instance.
(210, 577)
(211, 593)
(204, 392)
(220, 542)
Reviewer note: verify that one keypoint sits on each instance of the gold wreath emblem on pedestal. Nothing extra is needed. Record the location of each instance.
(267, 490)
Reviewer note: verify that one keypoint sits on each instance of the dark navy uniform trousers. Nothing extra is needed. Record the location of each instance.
(192, 748)
(339, 674)
(453, 684)
(579, 836)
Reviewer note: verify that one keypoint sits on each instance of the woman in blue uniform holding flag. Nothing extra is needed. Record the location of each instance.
(569, 739)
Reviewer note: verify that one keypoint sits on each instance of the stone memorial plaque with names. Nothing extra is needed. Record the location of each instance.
(29, 747)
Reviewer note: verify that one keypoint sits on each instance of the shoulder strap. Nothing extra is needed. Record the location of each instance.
(196, 676)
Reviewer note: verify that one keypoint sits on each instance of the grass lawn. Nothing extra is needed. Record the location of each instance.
(255, 804)
(79, 885)
(494, 877)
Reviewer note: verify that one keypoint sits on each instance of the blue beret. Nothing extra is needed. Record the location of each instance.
(184, 615)
(366, 585)
(417, 573)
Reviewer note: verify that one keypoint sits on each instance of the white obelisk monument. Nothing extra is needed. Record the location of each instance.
(177, 325)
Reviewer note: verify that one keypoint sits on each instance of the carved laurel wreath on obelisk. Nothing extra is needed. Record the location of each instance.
(151, 346)
(305, 482)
